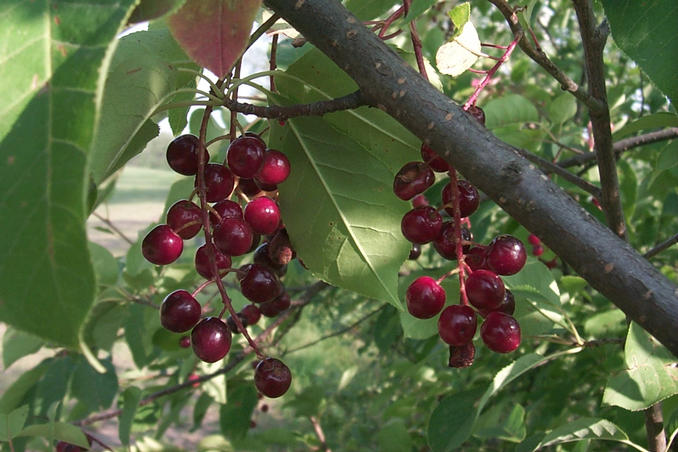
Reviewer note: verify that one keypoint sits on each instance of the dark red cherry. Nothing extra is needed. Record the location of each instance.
(485, 290)
(233, 236)
(457, 324)
(248, 187)
(421, 225)
(462, 356)
(179, 311)
(419, 201)
(211, 339)
(468, 200)
(475, 257)
(245, 155)
(63, 446)
(225, 209)
(269, 309)
(272, 377)
(251, 314)
(202, 263)
(185, 218)
(506, 255)
(274, 169)
(265, 187)
(185, 341)
(282, 302)
(280, 249)
(412, 179)
(446, 243)
(255, 136)
(182, 154)
(500, 332)
(534, 240)
(415, 252)
(219, 182)
(234, 326)
(261, 256)
(436, 162)
(162, 245)
(507, 306)
(537, 250)
(425, 297)
(259, 284)
(263, 215)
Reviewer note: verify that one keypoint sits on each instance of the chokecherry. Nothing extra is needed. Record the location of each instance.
(457, 324)
(507, 306)
(179, 311)
(506, 255)
(225, 209)
(202, 262)
(263, 215)
(251, 314)
(162, 245)
(233, 236)
(211, 339)
(219, 182)
(425, 297)
(485, 290)
(500, 332)
(274, 168)
(476, 257)
(182, 154)
(259, 283)
(436, 162)
(412, 179)
(272, 377)
(245, 155)
(462, 356)
(185, 218)
(446, 243)
(248, 187)
(421, 225)
(468, 198)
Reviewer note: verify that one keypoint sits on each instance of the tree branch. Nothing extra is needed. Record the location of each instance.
(624, 145)
(654, 425)
(353, 100)
(661, 246)
(609, 264)
(539, 57)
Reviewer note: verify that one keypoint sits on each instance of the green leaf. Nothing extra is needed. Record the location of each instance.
(606, 323)
(562, 108)
(12, 423)
(154, 9)
(339, 209)
(95, 390)
(200, 409)
(369, 9)
(653, 121)
(216, 387)
(17, 344)
(105, 266)
(509, 109)
(628, 186)
(16, 392)
(417, 8)
(52, 388)
(143, 76)
(234, 417)
(585, 429)
(52, 61)
(139, 329)
(394, 437)
(57, 431)
(460, 14)
(214, 32)
(645, 30)
(452, 421)
(651, 374)
(497, 423)
(130, 402)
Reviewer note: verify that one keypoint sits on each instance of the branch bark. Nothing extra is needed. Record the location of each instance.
(608, 263)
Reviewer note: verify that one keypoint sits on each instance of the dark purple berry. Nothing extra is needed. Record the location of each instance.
(468, 198)
(507, 306)
(462, 356)
(259, 284)
(272, 377)
(245, 155)
(475, 257)
(506, 255)
(274, 169)
(415, 252)
(485, 290)
(185, 341)
(202, 262)
(225, 209)
(251, 314)
(211, 339)
(234, 326)
(446, 243)
(500, 332)
(248, 187)
(412, 179)
(263, 215)
(185, 218)
(436, 162)
(162, 245)
(179, 311)
(425, 297)
(219, 182)
(233, 236)
(182, 154)
(421, 225)
(457, 324)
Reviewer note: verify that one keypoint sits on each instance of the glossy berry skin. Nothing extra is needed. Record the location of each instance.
(219, 182)
(179, 311)
(425, 297)
(419, 201)
(475, 257)
(202, 262)
(446, 243)
(182, 154)
(245, 155)
(162, 245)
(537, 250)
(263, 215)
(233, 236)
(506, 255)
(225, 209)
(251, 314)
(269, 309)
(468, 198)
(534, 240)
(211, 339)
(272, 377)
(265, 187)
(457, 324)
(421, 225)
(259, 284)
(462, 356)
(185, 341)
(282, 302)
(412, 179)
(274, 169)
(507, 306)
(261, 257)
(500, 332)
(485, 290)
(436, 162)
(415, 252)
(185, 218)
(248, 187)
(234, 326)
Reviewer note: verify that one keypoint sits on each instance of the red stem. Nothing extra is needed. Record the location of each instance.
(459, 251)
(416, 43)
(273, 65)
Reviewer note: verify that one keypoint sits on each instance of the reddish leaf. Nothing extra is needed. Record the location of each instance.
(214, 32)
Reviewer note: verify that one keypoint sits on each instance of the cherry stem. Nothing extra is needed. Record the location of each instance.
(273, 65)
(457, 237)
(486, 80)
(387, 23)
(211, 251)
(201, 287)
(416, 42)
(454, 271)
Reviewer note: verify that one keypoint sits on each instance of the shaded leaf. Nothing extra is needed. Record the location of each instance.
(452, 421)
(154, 9)
(585, 429)
(562, 108)
(499, 424)
(394, 437)
(57, 431)
(234, 417)
(52, 61)
(16, 392)
(130, 402)
(17, 344)
(509, 109)
(647, 122)
(95, 390)
(214, 32)
(12, 423)
(105, 266)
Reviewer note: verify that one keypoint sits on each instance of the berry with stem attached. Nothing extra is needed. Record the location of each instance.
(259, 284)
(436, 162)
(425, 297)
(251, 314)
(245, 155)
(233, 236)
(485, 290)
(182, 154)
(211, 339)
(421, 225)
(263, 215)
(179, 311)
(412, 179)
(219, 182)
(272, 377)
(185, 218)
(225, 209)
(500, 332)
(162, 245)
(457, 324)
(507, 306)
(202, 262)
(506, 255)
(468, 198)
(446, 243)
(274, 169)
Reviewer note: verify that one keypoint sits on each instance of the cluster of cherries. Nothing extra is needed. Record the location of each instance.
(253, 171)
(483, 289)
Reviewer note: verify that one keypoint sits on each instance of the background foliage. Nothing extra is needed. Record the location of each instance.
(81, 103)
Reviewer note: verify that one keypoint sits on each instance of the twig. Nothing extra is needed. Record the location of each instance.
(654, 425)
(108, 223)
(661, 246)
(353, 100)
(319, 433)
(568, 176)
(272, 63)
(624, 145)
(336, 333)
(539, 57)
